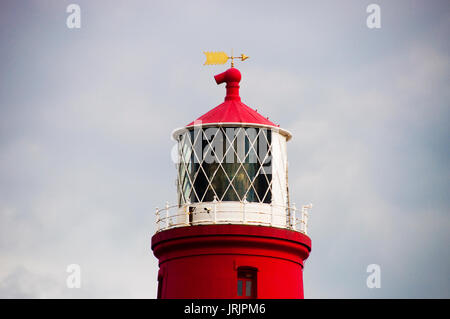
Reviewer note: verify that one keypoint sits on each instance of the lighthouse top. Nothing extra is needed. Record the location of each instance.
(232, 110)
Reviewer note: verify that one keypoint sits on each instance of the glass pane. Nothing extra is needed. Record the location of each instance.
(230, 195)
(252, 155)
(248, 288)
(239, 144)
(186, 148)
(220, 182)
(261, 186)
(252, 133)
(185, 167)
(186, 187)
(209, 170)
(200, 183)
(209, 196)
(182, 172)
(251, 170)
(228, 149)
(239, 288)
(241, 182)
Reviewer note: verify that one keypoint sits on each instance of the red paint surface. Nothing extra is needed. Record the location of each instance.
(232, 110)
(202, 261)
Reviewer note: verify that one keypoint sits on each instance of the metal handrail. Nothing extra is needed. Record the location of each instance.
(170, 216)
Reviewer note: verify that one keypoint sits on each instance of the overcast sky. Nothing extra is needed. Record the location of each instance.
(86, 116)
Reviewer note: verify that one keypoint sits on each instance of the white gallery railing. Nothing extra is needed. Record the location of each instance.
(246, 213)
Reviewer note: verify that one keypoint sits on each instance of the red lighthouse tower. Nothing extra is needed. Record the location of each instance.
(233, 232)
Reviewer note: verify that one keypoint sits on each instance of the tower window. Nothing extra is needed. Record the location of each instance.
(246, 283)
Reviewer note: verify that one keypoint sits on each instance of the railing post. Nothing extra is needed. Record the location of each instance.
(157, 219)
(215, 209)
(167, 215)
(293, 217)
(271, 212)
(187, 211)
(305, 217)
(244, 217)
(305, 221)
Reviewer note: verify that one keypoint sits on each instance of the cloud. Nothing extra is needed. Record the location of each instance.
(21, 283)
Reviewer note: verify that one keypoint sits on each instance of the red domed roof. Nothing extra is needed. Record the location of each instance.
(232, 110)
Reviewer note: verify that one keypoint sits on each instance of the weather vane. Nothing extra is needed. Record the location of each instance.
(222, 58)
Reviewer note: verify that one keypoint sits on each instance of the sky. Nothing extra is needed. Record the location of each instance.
(86, 117)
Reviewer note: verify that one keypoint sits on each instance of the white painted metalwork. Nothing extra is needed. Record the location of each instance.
(239, 213)
(252, 189)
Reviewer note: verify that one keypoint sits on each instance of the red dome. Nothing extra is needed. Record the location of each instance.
(232, 110)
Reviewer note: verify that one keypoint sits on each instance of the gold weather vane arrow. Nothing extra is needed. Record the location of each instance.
(213, 58)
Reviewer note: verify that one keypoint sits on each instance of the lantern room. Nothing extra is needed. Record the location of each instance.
(232, 168)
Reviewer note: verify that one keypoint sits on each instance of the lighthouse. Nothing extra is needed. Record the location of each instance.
(233, 232)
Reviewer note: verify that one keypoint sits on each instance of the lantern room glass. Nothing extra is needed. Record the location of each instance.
(224, 163)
